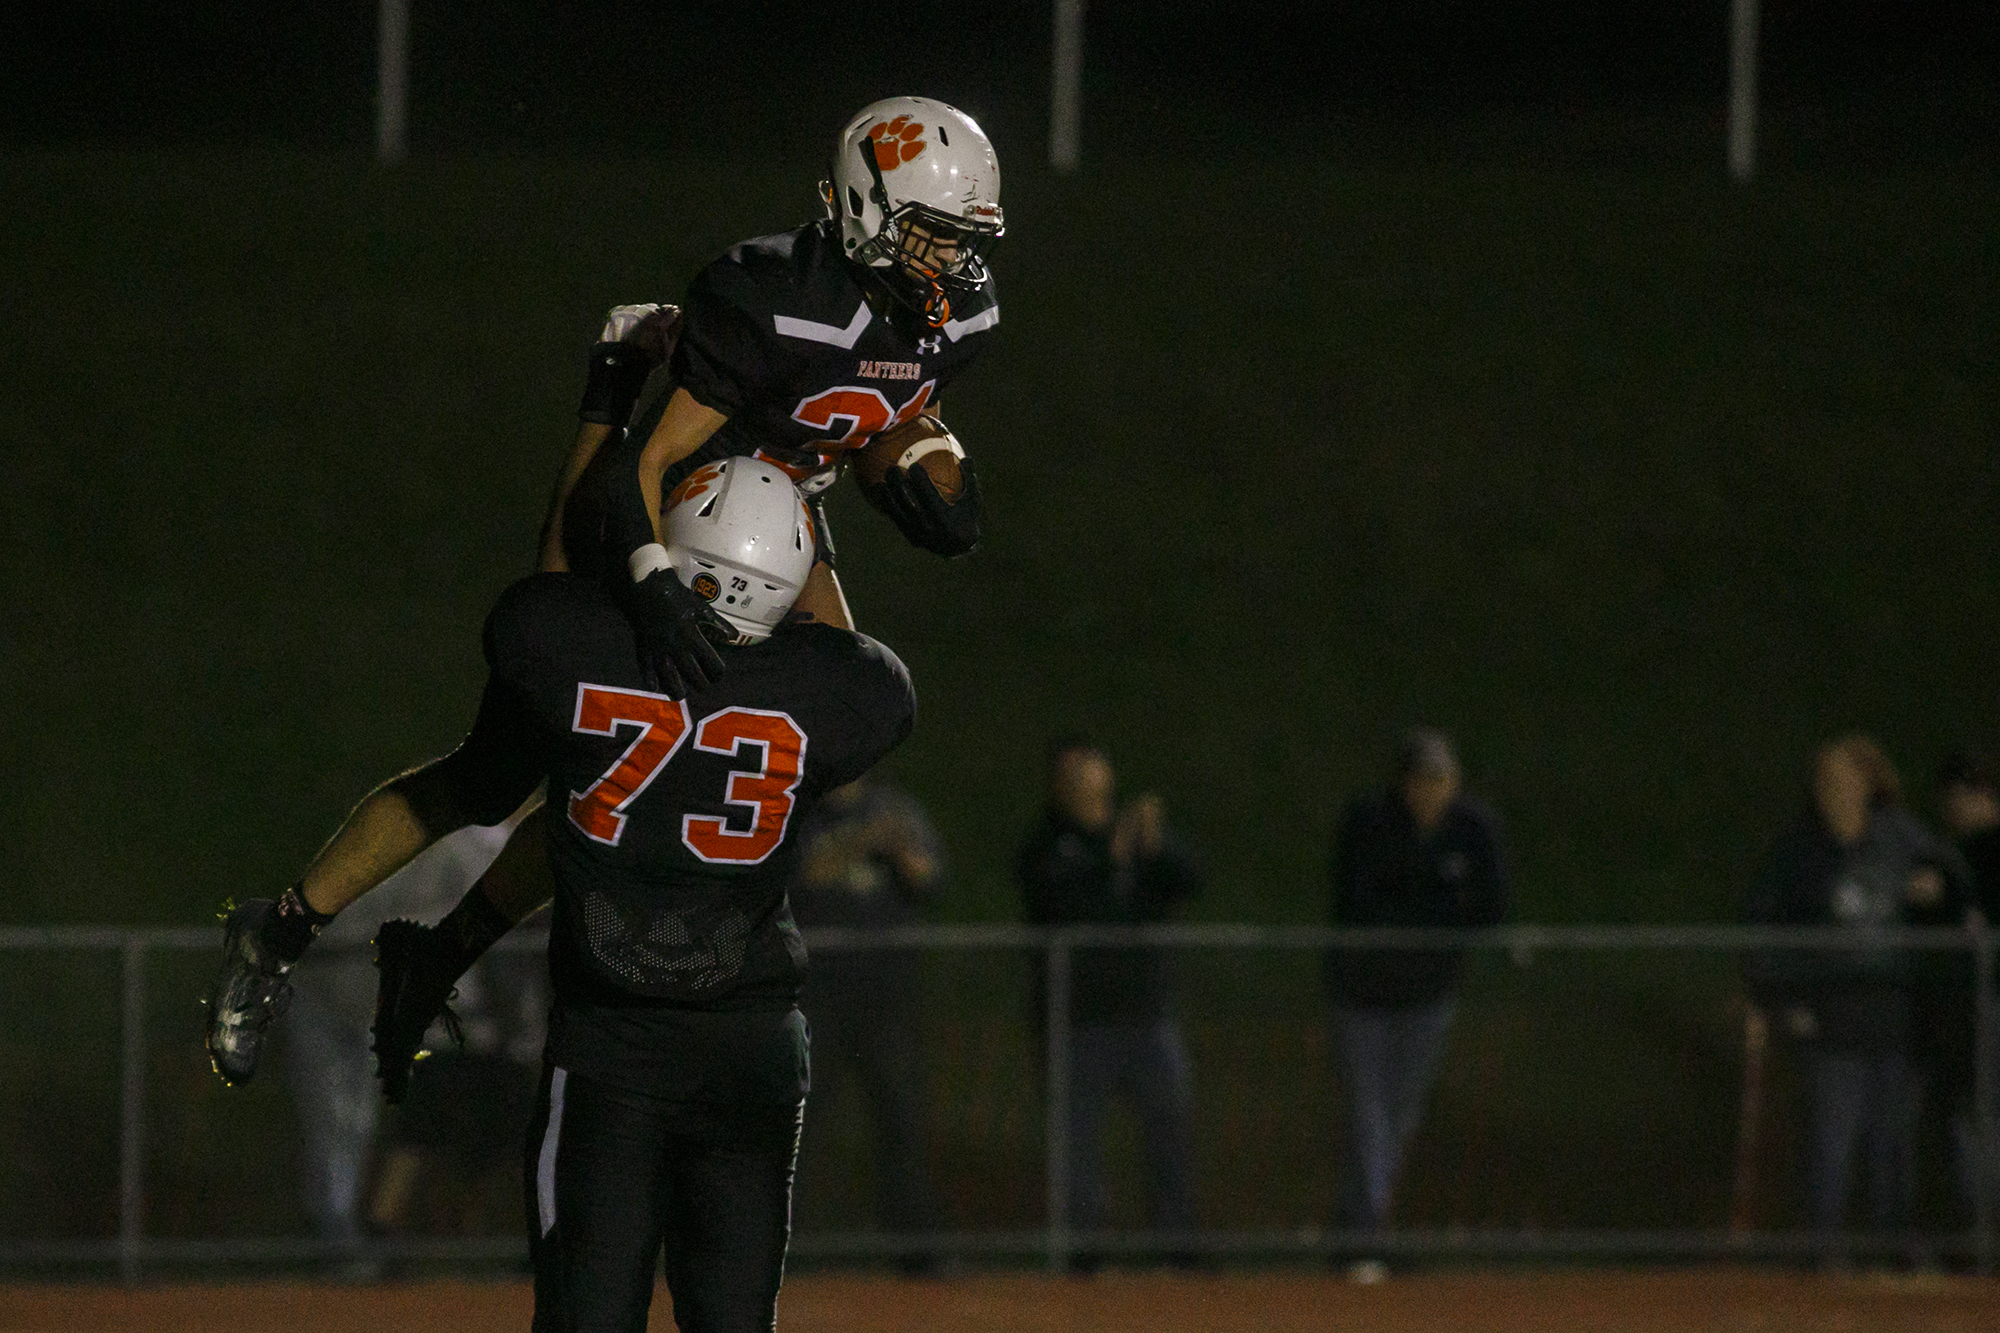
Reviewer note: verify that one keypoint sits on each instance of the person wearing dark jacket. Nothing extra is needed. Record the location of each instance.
(1857, 859)
(1420, 854)
(1969, 783)
(870, 858)
(1083, 864)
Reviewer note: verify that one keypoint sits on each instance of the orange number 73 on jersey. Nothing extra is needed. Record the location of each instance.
(599, 811)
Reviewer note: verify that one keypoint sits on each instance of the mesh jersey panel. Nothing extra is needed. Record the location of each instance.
(654, 946)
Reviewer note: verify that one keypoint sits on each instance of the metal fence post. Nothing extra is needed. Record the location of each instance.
(1058, 1093)
(132, 1094)
(1985, 1054)
(392, 80)
(1743, 25)
(1066, 87)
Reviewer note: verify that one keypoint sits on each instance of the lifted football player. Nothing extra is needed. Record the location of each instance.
(677, 1061)
(797, 349)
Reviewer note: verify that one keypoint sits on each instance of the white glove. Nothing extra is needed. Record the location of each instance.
(652, 328)
(623, 319)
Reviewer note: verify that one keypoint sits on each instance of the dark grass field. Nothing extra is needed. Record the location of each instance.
(1640, 483)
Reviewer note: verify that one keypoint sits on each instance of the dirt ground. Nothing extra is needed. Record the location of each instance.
(1678, 1301)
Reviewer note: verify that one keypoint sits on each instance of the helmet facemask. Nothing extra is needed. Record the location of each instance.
(926, 255)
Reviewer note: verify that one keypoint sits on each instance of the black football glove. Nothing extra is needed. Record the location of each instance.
(636, 339)
(943, 528)
(675, 627)
(419, 971)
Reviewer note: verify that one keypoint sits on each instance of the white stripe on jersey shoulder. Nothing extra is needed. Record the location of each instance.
(955, 329)
(813, 331)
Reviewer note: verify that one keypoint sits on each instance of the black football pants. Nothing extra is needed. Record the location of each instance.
(615, 1177)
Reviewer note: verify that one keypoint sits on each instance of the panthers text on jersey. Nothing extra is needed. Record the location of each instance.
(673, 822)
(808, 359)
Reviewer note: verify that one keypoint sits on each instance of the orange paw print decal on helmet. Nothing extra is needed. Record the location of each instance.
(896, 142)
(698, 483)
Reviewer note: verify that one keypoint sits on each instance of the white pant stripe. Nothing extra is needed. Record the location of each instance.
(545, 1166)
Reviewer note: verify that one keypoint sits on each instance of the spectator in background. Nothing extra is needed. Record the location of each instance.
(329, 1065)
(1969, 786)
(1089, 862)
(1419, 854)
(1856, 859)
(868, 859)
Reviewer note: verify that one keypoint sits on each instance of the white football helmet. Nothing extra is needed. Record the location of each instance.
(915, 188)
(738, 533)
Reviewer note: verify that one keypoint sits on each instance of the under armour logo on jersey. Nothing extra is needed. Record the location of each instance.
(930, 346)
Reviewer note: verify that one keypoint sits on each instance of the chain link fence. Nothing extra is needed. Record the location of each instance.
(1598, 1098)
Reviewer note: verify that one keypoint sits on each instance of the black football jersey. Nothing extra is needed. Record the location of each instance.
(807, 360)
(673, 824)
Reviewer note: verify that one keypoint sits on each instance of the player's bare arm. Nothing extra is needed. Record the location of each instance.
(823, 600)
(683, 428)
(590, 437)
(635, 341)
(675, 627)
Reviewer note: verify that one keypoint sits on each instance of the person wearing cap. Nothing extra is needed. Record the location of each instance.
(1419, 853)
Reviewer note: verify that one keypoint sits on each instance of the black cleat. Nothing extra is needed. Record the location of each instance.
(249, 994)
(417, 977)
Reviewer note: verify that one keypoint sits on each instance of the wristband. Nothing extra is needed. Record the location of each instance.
(291, 926)
(648, 559)
(618, 374)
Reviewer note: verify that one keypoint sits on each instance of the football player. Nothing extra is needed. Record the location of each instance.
(797, 349)
(676, 1066)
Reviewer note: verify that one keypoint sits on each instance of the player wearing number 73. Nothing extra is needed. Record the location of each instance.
(677, 1061)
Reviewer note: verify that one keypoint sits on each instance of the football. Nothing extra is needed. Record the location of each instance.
(921, 442)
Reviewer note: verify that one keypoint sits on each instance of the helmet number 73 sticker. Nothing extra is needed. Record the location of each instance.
(765, 793)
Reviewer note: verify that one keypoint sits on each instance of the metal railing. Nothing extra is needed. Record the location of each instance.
(1056, 1243)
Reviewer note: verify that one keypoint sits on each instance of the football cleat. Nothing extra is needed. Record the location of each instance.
(418, 975)
(250, 993)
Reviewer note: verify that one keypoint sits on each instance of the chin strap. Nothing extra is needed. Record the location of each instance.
(937, 306)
